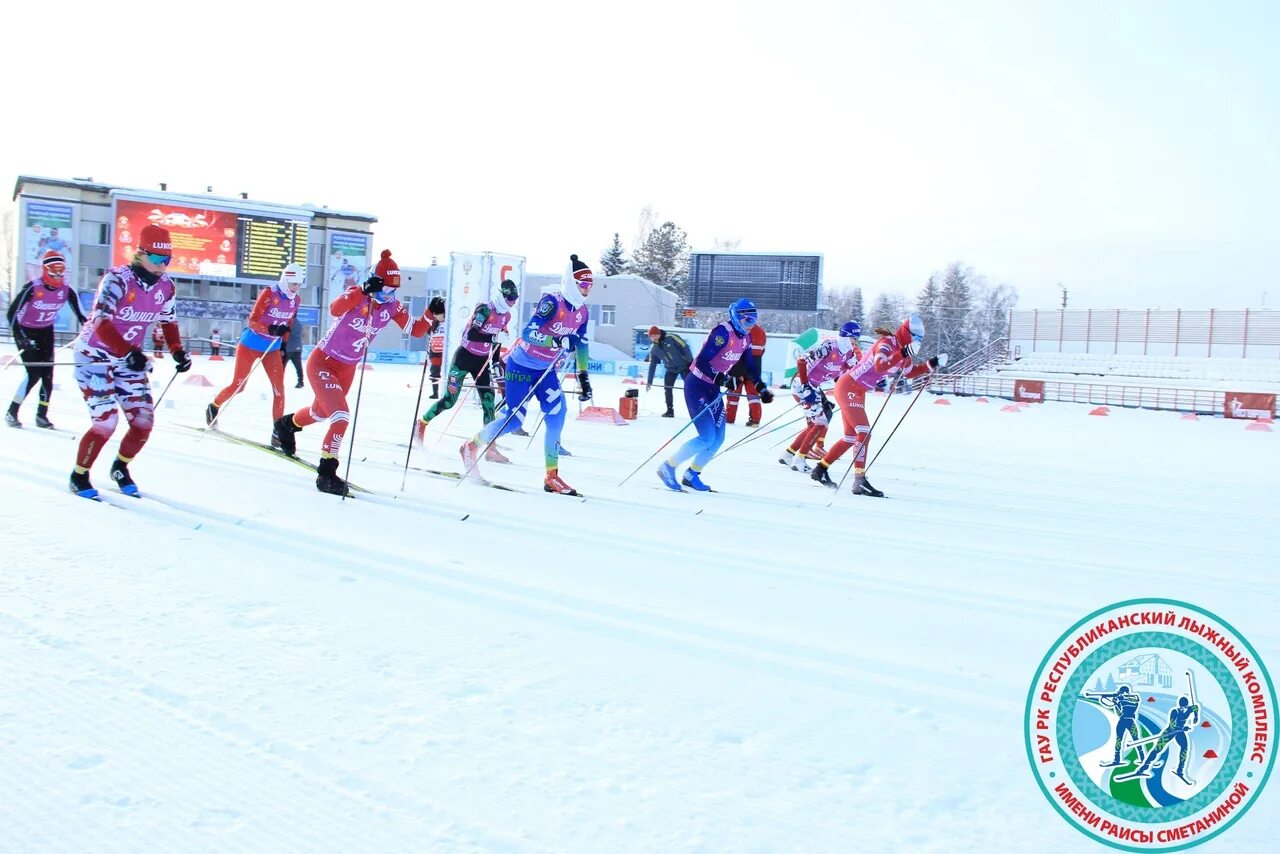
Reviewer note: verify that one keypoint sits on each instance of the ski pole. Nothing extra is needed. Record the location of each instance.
(511, 413)
(413, 424)
(156, 405)
(673, 438)
(213, 425)
(355, 413)
(895, 428)
(457, 407)
(858, 447)
(758, 432)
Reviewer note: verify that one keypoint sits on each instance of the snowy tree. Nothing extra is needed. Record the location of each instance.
(1111, 683)
(929, 307)
(991, 312)
(887, 311)
(842, 304)
(956, 335)
(663, 259)
(613, 261)
(1097, 684)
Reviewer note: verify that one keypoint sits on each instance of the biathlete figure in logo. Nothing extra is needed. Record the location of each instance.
(558, 327)
(111, 368)
(816, 366)
(474, 356)
(893, 351)
(1176, 731)
(711, 371)
(362, 312)
(31, 316)
(1126, 704)
(264, 333)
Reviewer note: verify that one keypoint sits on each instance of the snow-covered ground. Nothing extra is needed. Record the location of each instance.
(243, 663)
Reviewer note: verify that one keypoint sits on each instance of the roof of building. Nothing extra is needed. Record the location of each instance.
(235, 202)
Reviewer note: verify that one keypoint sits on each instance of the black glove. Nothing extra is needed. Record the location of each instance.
(136, 360)
(766, 396)
(372, 285)
(726, 382)
(584, 384)
(436, 305)
(182, 362)
(567, 342)
(25, 344)
(279, 330)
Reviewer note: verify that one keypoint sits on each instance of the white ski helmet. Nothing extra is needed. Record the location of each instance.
(292, 278)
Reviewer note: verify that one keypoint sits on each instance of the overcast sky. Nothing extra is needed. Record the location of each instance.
(1129, 150)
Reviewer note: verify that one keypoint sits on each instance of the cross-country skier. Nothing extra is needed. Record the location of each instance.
(893, 351)
(1126, 704)
(111, 368)
(816, 366)
(558, 327)
(474, 356)
(362, 312)
(1176, 731)
(264, 331)
(711, 372)
(31, 316)
(748, 366)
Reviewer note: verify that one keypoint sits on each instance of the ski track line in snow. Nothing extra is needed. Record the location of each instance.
(837, 671)
(201, 723)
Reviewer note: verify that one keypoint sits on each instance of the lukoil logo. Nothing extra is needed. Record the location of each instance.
(1148, 724)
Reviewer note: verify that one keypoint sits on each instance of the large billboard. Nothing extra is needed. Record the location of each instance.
(213, 242)
(474, 278)
(347, 262)
(780, 281)
(46, 226)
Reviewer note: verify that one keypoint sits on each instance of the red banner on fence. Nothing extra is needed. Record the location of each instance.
(1028, 391)
(1246, 404)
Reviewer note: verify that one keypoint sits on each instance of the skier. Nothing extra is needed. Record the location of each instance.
(558, 327)
(435, 352)
(474, 356)
(264, 333)
(1176, 731)
(1126, 703)
(31, 316)
(747, 368)
(362, 312)
(711, 371)
(676, 357)
(111, 368)
(893, 351)
(821, 364)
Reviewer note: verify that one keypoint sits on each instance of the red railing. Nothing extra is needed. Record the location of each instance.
(1205, 401)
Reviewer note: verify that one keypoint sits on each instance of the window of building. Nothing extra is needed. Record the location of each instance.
(608, 315)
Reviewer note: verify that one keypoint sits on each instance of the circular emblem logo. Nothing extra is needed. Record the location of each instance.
(1148, 725)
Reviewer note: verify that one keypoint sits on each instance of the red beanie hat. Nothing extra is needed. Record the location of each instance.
(155, 240)
(388, 270)
(653, 330)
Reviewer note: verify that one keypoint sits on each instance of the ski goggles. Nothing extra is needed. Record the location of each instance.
(159, 260)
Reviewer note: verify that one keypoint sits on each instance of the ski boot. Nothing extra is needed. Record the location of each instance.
(817, 452)
(11, 417)
(493, 455)
(42, 421)
(81, 486)
(668, 476)
(470, 453)
(753, 423)
(822, 476)
(692, 481)
(327, 479)
(282, 430)
(420, 433)
(669, 414)
(120, 474)
(787, 458)
(553, 483)
(862, 486)
(563, 451)
(211, 414)
(299, 385)
(520, 431)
